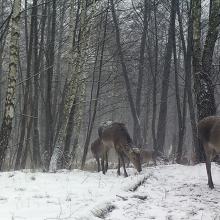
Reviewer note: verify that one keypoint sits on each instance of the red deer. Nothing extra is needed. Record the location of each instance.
(146, 156)
(209, 134)
(99, 152)
(115, 135)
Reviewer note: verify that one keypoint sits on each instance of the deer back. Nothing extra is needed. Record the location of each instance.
(209, 132)
(116, 135)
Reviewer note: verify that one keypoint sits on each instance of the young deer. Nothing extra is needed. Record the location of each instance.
(99, 152)
(116, 136)
(146, 156)
(209, 133)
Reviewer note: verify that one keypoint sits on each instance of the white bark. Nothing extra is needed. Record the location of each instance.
(12, 74)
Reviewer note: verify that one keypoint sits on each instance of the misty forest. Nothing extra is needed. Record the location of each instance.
(93, 91)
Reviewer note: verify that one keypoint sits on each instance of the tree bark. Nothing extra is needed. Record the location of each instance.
(154, 98)
(161, 128)
(187, 53)
(69, 131)
(138, 140)
(37, 62)
(181, 108)
(50, 71)
(10, 94)
(202, 63)
(27, 94)
(58, 75)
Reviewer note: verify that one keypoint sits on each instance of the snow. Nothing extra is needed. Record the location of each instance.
(161, 192)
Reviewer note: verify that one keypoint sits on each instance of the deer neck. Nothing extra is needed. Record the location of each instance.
(127, 150)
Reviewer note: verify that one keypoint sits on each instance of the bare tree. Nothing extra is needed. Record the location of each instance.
(50, 56)
(161, 127)
(93, 115)
(125, 73)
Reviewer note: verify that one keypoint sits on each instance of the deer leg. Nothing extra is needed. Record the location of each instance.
(98, 163)
(103, 164)
(154, 158)
(123, 164)
(128, 163)
(118, 171)
(208, 169)
(208, 166)
(106, 161)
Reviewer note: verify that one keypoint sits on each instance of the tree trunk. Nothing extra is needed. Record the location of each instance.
(154, 98)
(36, 68)
(61, 114)
(3, 36)
(202, 63)
(69, 131)
(161, 128)
(83, 43)
(58, 75)
(10, 94)
(27, 145)
(136, 136)
(181, 110)
(70, 87)
(68, 95)
(27, 95)
(187, 53)
(50, 70)
(92, 120)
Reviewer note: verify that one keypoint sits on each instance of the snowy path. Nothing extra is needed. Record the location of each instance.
(168, 192)
(174, 192)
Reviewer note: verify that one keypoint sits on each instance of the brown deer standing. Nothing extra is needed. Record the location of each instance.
(116, 136)
(209, 133)
(99, 152)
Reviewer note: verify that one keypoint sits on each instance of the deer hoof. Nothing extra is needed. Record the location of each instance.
(211, 185)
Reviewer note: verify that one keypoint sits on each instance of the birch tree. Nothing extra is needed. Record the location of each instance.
(202, 63)
(12, 74)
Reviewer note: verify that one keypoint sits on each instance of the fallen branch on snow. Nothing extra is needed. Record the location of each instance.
(103, 210)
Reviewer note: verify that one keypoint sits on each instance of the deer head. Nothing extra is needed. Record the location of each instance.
(134, 157)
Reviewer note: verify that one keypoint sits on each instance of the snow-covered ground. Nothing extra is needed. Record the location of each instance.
(162, 192)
